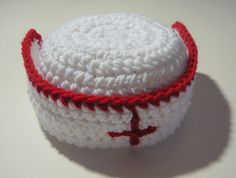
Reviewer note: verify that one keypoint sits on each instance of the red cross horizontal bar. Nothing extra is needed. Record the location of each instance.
(135, 133)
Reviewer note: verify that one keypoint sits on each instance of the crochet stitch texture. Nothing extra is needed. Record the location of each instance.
(111, 80)
(111, 54)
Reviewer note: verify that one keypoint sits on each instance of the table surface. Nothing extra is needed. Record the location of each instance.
(205, 144)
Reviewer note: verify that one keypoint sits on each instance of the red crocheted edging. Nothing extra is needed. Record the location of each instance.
(115, 102)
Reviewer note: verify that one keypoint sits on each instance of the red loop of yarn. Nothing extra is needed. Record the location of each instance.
(116, 102)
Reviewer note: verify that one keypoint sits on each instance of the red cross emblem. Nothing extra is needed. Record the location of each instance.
(135, 133)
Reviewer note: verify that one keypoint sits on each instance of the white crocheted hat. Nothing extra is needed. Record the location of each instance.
(111, 80)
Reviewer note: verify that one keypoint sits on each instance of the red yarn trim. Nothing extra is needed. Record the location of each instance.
(115, 102)
(135, 133)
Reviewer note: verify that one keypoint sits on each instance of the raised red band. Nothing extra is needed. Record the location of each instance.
(115, 102)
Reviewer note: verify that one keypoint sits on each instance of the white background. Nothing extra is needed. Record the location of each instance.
(204, 146)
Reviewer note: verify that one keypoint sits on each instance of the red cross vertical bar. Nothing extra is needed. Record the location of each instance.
(135, 133)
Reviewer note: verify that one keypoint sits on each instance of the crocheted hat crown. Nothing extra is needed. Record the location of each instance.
(119, 54)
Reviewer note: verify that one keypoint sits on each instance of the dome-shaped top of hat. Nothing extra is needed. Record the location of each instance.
(112, 54)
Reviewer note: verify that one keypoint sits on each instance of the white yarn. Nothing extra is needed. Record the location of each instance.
(112, 54)
(90, 129)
